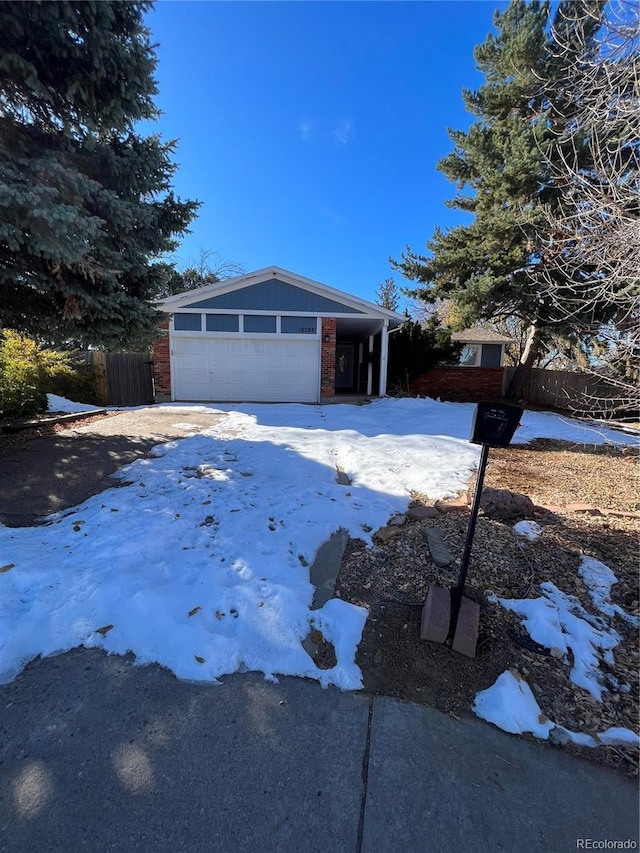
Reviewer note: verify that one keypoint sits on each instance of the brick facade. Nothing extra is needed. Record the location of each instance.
(328, 358)
(162, 365)
(460, 384)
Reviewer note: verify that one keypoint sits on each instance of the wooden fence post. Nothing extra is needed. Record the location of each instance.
(99, 362)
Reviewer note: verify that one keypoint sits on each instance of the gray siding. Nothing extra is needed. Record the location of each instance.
(274, 295)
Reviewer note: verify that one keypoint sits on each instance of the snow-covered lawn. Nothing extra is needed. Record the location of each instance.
(199, 560)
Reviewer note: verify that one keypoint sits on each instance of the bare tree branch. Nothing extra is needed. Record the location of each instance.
(589, 262)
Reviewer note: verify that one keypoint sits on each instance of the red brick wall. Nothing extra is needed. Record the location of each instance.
(162, 364)
(460, 384)
(328, 358)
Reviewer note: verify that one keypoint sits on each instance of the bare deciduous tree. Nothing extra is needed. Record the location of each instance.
(209, 268)
(593, 234)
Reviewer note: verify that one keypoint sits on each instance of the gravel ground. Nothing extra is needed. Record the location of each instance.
(392, 580)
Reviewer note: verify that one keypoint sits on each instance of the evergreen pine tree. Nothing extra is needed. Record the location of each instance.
(387, 295)
(86, 204)
(493, 267)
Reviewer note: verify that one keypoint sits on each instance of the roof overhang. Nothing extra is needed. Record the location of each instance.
(471, 336)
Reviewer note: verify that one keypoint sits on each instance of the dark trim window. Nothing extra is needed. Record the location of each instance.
(491, 355)
(260, 323)
(222, 322)
(187, 322)
(299, 325)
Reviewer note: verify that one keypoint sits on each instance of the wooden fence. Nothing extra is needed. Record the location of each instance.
(122, 378)
(578, 393)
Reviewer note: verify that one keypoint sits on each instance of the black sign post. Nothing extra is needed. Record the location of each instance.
(493, 426)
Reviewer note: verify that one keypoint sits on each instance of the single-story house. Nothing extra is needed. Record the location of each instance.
(481, 347)
(271, 336)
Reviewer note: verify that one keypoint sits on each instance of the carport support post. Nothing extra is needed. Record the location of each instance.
(370, 368)
(384, 355)
(456, 595)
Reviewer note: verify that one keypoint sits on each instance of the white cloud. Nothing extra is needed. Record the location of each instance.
(343, 132)
(306, 129)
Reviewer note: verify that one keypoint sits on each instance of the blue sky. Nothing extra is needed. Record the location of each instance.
(310, 131)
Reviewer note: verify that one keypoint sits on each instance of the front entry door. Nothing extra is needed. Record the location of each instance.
(344, 367)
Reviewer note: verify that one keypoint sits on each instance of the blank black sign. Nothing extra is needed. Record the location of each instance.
(494, 424)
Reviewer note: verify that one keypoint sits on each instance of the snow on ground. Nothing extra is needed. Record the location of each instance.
(529, 530)
(599, 579)
(510, 705)
(199, 560)
(560, 622)
(429, 416)
(550, 425)
(60, 405)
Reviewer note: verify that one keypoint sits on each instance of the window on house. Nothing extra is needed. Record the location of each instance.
(187, 322)
(259, 323)
(491, 355)
(298, 325)
(469, 355)
(222, 322)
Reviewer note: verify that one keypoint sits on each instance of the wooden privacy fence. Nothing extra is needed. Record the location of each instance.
(122, 378)
(578, 393)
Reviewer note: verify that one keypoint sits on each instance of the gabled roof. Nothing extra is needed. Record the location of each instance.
(333, 299)
(478, 335)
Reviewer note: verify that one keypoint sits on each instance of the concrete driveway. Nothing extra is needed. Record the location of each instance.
(54, 472)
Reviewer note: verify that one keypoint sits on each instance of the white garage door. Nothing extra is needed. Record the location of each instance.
(237, 369)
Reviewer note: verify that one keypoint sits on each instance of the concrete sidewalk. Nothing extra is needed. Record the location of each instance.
(98, 754)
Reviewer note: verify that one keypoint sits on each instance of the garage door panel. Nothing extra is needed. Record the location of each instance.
(246, 369)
